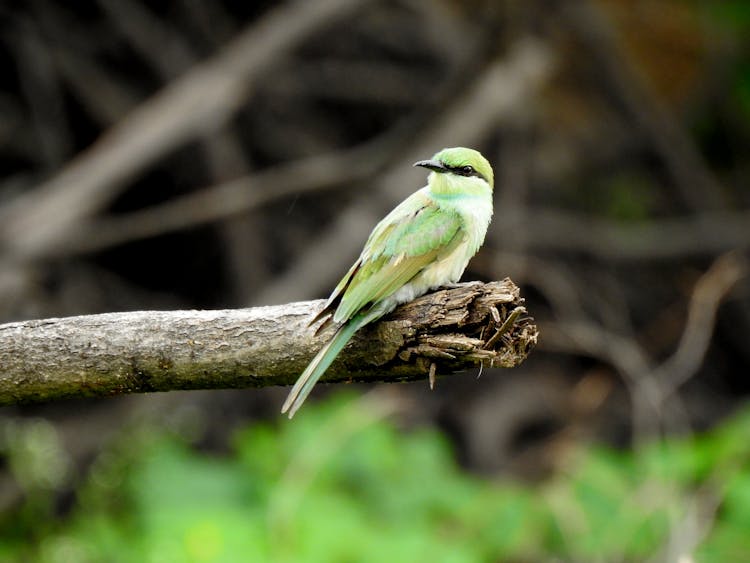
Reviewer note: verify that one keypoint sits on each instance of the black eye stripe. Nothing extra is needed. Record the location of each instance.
(466, 171)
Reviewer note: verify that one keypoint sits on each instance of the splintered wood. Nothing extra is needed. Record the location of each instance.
(481, 323)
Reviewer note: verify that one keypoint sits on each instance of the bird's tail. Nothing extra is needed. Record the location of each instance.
(320, 363)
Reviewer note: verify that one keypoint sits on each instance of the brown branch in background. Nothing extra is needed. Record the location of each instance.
(625, 355)
(158, 43)
(650, 386)
(233, 197)
(658, 239)
(695, 182)
(116, 353)
(197, 102)
(704, 233)
(165, 49)
(105, 98)
(41, 85)
(711, 289)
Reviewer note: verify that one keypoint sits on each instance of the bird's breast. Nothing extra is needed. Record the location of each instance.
(476, 212)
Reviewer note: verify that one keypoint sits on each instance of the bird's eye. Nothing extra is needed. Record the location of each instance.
(468, 170)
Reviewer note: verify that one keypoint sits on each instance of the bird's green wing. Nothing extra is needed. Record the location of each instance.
(399, 248)
(373, 250)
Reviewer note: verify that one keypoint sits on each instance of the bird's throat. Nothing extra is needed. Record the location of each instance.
(446, 185)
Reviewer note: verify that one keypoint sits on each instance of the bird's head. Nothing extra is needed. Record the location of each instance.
(461, 162)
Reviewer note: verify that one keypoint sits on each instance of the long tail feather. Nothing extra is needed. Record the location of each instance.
(320, 363)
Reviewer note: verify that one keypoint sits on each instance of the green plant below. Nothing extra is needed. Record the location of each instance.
(341, 485)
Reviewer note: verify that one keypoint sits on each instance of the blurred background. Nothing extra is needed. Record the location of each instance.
(187, 154)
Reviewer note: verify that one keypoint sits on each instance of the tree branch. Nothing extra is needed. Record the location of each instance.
(199, 101)
(116, 353)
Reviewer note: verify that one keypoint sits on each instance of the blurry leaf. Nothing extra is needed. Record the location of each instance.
(624, 197)
(374, 493)
(734, 14)
(742, 89)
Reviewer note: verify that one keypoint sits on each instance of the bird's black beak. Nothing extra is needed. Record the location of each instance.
(434, 165)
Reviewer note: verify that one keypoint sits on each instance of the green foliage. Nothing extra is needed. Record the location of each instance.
(731, 19)
(338, 484)
(624, 196)
(733, 14)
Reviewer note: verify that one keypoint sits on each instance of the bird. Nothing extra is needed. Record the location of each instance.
(424, 243)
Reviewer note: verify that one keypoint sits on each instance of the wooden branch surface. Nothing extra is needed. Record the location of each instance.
(115, 353)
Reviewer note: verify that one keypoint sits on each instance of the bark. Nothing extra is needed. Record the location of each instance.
(109, 354)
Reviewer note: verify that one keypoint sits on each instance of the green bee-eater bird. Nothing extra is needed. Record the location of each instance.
(425, 242)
